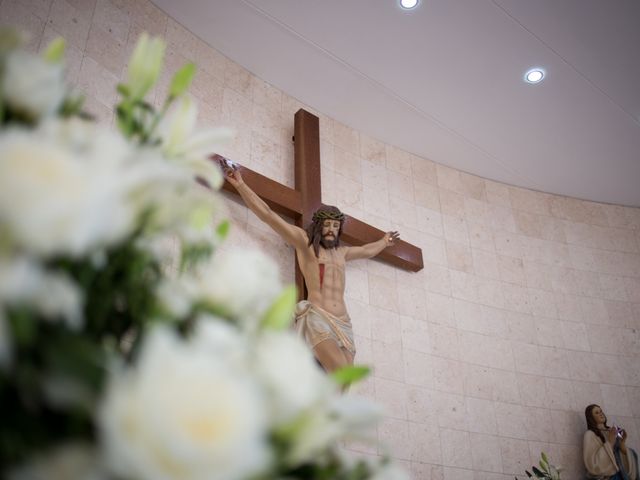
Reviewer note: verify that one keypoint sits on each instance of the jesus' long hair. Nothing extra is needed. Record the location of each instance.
(591, 423)
(314, 230)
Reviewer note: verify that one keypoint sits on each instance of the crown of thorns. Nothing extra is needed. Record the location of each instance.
(320, 215)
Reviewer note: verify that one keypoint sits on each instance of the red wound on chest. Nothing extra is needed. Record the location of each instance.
(321, 266)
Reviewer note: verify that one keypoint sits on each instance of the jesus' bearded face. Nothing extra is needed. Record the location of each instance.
(330, 232)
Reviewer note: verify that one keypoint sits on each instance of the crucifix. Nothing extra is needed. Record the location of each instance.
(300, 203)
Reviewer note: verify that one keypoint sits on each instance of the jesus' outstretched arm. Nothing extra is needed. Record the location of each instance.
(293, 235)
(372, 249)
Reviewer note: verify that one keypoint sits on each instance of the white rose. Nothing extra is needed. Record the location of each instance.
(212, 334)
(54, 198)
(32, 86)
(243, 282)
(70, 187)
(53, 295)
(293, 380)
(73, 461)
(183, 413)
(340, 418)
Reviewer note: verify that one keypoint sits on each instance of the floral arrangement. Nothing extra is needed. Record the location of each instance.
(120, 358)
(547, 471)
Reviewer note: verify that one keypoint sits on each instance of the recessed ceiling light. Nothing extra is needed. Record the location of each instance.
(535, 75)
(408, 4)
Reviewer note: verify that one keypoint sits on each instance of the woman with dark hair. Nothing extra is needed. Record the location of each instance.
(604, 449)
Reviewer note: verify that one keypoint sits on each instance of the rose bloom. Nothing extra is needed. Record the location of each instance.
(71, 187)
(243, 282)
(292, 379)
(184, 413)
(55, 198)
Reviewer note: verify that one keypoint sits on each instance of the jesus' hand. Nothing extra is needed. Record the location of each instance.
(231, 171)
(391, 237)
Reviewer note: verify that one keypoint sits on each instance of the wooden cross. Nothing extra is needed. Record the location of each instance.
(306, 198)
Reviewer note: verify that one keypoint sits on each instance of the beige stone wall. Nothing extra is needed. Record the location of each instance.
(528, 307)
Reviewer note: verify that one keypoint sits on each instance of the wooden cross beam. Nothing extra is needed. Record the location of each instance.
(306, 198)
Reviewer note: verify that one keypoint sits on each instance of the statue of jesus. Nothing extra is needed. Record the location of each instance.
(322, 319)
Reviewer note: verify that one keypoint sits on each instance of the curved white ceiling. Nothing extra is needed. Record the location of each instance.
(445, 81)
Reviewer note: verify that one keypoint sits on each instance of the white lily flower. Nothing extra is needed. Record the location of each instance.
(145, 65)
(185, 210)
(183, 142)
(32, 86)
(339, 418)
(178, 125)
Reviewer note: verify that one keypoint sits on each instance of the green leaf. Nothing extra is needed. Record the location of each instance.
(217, 310)
(2, 110)
(72, 106)
(124, 118)
(538, 473)
(194, 254)
(544, 457)
(182, 80)
(280, 314)
(54, 52)
(348, 375)
(145, 106)
(76, 357)
(123, 90)
(23, 325)
(200, 217)
(223, 229)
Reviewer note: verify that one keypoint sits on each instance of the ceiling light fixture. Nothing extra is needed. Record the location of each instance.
(535, 75)
(408, 4)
